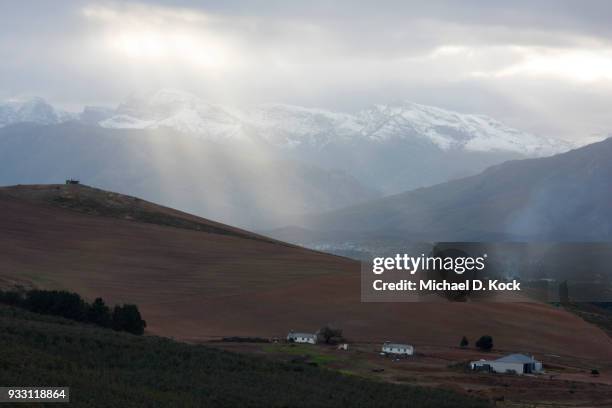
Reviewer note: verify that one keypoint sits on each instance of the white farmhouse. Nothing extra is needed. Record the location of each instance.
(302, 338)
(512, 363)
(398, 349)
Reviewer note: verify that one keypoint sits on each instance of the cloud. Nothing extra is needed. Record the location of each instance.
(511, 60)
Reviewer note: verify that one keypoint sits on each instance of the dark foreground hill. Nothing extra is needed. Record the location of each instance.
(560, 198)
(104, 368)
(218, 281)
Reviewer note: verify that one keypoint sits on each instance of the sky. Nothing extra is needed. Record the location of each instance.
(540, 66)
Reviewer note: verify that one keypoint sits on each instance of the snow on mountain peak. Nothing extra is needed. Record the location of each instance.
(32, 110)
(177, 110)
(453, 130)
(290, 126)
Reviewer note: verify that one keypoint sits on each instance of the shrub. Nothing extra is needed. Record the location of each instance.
(464, 342)
(485, 343)
(331, 335)
(127, 318)
(60, 303)
(98, 313)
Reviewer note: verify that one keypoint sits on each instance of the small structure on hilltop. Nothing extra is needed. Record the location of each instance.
(397, 349)
(343, 346)
(510, 364)
(294, 337)
(72, 181)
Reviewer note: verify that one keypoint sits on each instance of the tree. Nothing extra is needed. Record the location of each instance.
(464, 342)
(98, 313)
(331, 335)
(60, 303)
(127, 318)
(485, 343)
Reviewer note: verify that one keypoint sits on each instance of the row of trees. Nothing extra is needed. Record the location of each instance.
(71, 305)
(484, 343)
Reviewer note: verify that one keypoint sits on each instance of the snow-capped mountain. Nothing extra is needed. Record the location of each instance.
(452, 130)
(176, 110)
(289, 126)
(389, 148)
(294, 126)
(34, 110)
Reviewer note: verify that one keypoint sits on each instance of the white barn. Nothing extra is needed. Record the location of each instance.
(512, 363)
(396, 348)
(302, 338)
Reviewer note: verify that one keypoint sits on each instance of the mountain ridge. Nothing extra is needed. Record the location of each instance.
(559, 198)
(182, 111)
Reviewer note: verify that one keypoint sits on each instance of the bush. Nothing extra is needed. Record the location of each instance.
(127, 318)
(331, 335)
(464, 342)
(59, 303)
(98, 313)
(485, 343)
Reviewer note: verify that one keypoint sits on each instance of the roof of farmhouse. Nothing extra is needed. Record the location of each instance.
(516, 358)
(306, 335)
(397, 345)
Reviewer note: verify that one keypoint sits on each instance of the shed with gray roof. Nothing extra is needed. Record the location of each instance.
(512, 363)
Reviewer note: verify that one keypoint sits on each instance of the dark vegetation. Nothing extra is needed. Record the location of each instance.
(331, 335)
(464, 342)
(71, 306)
(485, 343)
(113, 369)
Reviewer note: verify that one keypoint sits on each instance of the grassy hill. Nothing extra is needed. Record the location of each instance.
(110, 369)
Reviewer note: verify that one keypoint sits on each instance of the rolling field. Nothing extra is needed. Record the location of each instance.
(197, 280)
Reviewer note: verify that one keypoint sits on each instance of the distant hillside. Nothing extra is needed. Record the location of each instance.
(560, 198)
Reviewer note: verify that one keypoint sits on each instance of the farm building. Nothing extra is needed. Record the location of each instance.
(302, 338)
(512, 363)
(394, 348)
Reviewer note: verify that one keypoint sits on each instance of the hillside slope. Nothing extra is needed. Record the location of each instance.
(560, 198)
(238, 183)
(199, 285)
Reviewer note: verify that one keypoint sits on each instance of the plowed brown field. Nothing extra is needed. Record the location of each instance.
(196, 283)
